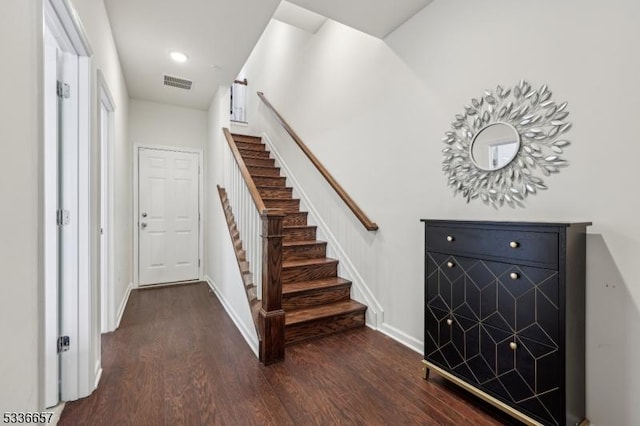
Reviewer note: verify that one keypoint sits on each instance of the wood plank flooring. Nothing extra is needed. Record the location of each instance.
(178, 359)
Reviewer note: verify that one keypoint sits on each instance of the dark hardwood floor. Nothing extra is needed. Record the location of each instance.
(178, 359)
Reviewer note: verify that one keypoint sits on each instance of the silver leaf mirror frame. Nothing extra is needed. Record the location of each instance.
(506, 176)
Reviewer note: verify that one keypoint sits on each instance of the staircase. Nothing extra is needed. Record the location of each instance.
(316, 301)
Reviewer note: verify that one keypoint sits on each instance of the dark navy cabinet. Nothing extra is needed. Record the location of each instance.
(505, 314)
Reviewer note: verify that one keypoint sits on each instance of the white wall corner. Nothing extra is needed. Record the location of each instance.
(123, 304)
(249, 337)
(361, 291)
(402, 337)
(97, 374)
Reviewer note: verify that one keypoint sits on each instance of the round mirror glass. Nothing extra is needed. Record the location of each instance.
(494, 146)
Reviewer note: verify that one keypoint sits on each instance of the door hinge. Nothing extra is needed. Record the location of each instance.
(63, 90)
(198, 263)
(63, 217)
(63, 343)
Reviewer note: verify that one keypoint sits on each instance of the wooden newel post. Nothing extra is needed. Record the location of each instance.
(271, 318)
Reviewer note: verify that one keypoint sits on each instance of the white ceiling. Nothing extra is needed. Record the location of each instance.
(219, 35)
(300, 17)
(210, 32)
(378, 18)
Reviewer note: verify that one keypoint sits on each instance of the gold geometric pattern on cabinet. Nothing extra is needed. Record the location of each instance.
(495, 324)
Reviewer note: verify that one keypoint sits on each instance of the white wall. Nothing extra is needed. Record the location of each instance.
(375, 113)
(221, 267)
(153, 123)
(20, 154)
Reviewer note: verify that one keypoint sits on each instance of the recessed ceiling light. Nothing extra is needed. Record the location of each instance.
(178, 56)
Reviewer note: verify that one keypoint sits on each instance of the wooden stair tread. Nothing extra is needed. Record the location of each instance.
(251, 137)
(313, 285)
(307, 262)
(248, 156)
(256, 154)
(323, 311)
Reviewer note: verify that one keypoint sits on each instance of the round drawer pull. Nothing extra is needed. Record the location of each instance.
(449, 321)
(514, 244)
(450, 264)
(513, 346)
(450, 238)
(514, 275)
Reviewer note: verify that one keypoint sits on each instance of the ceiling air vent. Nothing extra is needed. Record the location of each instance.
(180, 83)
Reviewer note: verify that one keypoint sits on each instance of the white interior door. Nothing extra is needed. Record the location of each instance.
(168, 210)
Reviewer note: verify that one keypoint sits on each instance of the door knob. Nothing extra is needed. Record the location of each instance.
(144, 214)
(143, 225)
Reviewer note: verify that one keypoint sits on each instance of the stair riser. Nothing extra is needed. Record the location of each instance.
(299, 234)
(282, 193)
(248, 146)
(260, 162)
(309, 272)
(315, 297)
(251, 153)
(295, 219)
(322, 327)
(288, 206)
(264, 171)
(269, 180)
(310, 251)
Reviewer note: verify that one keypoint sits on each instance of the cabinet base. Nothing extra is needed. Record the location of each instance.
(427, 367)
(486, 397)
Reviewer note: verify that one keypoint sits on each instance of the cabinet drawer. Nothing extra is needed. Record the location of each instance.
(531, 247)
(515, 298)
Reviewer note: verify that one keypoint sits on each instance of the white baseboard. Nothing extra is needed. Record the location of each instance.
(375, 312)
(123, 304)
(249, 337)
(402, 337)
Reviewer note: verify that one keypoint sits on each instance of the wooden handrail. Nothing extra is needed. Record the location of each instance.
(362, 217)
(271, 316)
(257, 199)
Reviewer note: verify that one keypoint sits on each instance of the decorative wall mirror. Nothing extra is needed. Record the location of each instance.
(503, 140)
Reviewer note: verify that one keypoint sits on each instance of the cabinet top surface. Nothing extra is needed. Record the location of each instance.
(503, 223)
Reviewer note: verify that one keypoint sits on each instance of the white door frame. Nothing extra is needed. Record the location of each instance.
(107, 271)
(72, 308)
(50, 229)
(136, 162)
